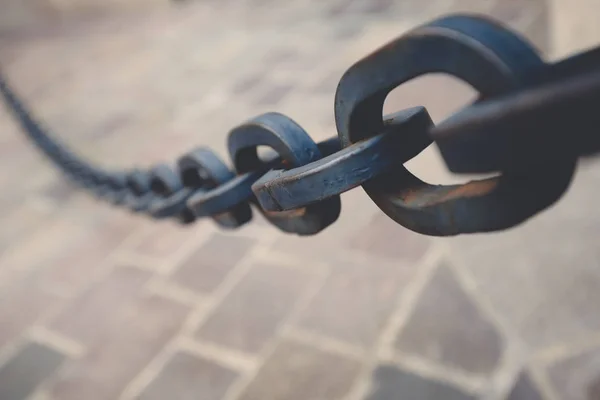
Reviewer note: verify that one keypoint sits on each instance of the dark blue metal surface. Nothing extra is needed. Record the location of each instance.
(140, 196)
(276, 131)
(138, 181)
(117, 197)
(202, 168)
(296, 149)
(401, 139)
(491, 59)
(329, 146)
(141, 203)
(557, 118)
(174, 204)
(239, 189)
(171, 199)
(164, 181)
(116, 191)
(232, 193)
(111, 188)
(569, 67)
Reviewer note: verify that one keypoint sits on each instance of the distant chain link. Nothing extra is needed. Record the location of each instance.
(530, 124)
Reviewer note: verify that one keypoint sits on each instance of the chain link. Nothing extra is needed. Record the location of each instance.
(531, 123)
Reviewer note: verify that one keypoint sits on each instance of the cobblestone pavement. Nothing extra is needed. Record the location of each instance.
(98, 304)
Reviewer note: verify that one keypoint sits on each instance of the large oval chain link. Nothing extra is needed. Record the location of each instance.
(493, 61)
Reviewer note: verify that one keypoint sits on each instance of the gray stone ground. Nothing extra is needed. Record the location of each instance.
(98, 304)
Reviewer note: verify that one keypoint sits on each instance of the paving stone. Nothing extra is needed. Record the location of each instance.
(162, 240)
(525, 389)
(27, 369)
(424, 12)
(472, 6)
(378, 6)
(23, 220)
(75, 269)
(56, 238)
(116, 123)
(356, 300)
(205, 269)
(391, 383)
(248, 84)
(577, 377)
(273, 94)
(187, 377)
(327, 85)
(59, 191)
(538, 32)
(250, 315)
(573, 26)
(280, 55)
(594, 390)
(297, 372)
(446, 326)
(88, 316)
(104, 371)
(452, 95)
(347, 32)
(382, 237)
(542, 277)
(332, 244)
(339, 7)
(512, 11)
(21, 304)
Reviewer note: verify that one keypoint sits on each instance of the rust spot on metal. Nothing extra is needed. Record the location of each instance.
(413, 195)
(300, 212)
(428, 195)
(472, 189)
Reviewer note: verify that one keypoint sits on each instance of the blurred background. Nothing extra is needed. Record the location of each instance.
(99, 304)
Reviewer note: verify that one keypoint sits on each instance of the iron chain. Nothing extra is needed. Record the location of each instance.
(531, 123)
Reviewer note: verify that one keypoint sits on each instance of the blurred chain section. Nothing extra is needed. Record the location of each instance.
(530, 124)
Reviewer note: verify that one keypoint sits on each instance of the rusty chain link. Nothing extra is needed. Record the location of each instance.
(530, 124)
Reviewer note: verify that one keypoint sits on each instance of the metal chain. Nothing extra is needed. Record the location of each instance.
(531, 123)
